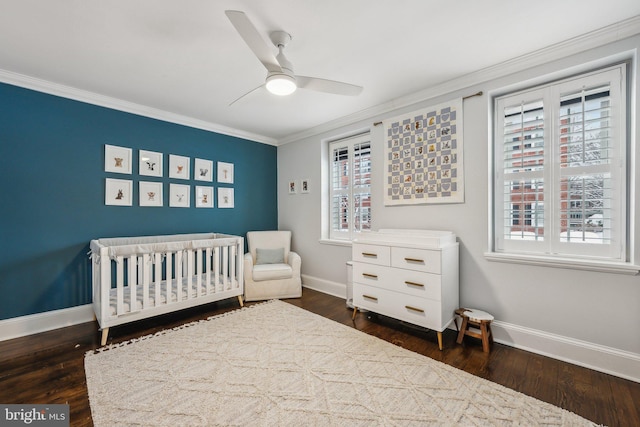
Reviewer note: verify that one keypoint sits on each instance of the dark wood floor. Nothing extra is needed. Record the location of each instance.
(48, 368)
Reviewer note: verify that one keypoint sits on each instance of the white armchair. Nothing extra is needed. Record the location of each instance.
(271, 269)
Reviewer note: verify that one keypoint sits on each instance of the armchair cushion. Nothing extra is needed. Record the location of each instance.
(269, 256)
(263, 272)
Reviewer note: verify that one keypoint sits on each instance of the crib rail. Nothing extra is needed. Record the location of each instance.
(164, 278)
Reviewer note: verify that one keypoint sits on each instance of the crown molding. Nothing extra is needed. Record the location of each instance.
(69, 92)
(594, 39)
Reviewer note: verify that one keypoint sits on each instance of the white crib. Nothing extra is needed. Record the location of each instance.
(139, 277)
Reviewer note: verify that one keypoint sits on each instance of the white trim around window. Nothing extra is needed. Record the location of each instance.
(560, 174)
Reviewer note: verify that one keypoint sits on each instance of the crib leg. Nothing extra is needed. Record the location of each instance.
(240, 301)
(105, 334)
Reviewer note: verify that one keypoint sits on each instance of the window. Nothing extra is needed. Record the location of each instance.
(560, 169)
(350, 187)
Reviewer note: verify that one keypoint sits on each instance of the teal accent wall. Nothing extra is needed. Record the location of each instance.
(53, 192)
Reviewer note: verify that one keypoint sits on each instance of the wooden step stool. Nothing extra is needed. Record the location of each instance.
(478, 319)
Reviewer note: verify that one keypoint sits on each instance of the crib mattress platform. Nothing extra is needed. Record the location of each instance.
(183, 292)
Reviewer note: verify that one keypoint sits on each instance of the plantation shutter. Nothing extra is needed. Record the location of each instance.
(340, 191)
(585, 166)
(362, 187)
(523, 162)
(350, 187)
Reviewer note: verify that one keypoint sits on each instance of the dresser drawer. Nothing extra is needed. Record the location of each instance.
(415, 283)
(422, 285)
(372, 254)
(419, 311)
(373, 274)
(416, 259)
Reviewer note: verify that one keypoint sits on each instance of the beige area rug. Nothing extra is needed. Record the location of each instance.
(274, 364)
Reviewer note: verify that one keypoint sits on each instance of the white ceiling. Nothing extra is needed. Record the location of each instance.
(185, 57)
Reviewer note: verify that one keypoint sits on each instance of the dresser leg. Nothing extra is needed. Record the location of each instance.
(440, 340)
(355, 311)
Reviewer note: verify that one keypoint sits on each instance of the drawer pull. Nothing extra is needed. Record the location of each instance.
(370, 297)
(371, 276)
(419, 310)
(369, 254)
(413, 283)
(414, 260)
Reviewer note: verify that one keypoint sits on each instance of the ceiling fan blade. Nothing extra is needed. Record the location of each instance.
(329, 86)
(247, 94)
(252, 38)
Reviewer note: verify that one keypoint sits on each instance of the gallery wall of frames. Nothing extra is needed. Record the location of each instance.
(191, 183)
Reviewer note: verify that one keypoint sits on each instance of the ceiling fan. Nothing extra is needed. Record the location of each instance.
(280, 77)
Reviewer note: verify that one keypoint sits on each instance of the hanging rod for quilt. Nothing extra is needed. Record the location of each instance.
(471, 96)
(480, 93)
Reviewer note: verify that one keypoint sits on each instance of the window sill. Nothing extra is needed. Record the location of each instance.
(588, 265)
(335, 242)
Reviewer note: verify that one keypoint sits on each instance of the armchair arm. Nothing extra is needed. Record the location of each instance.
(248, 266)
(295, 262)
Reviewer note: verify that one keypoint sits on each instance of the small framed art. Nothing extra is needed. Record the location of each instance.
(117, 159)
(150, 163)
(225, 172)
(203, 170)
(292, 187)
(225, 198)
(304, 186)
(204, 197)
(179, 167)
(118, 192)
(150, 193)
(179, 196)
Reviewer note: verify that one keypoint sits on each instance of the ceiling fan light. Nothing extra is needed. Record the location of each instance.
(281, 84)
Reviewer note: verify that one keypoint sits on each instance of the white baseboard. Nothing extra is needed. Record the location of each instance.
(326, 286)
(600, 358)
(609, 360)
(41, 322)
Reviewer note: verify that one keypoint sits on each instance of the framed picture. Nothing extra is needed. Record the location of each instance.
(203, 170)
(204, 197)
(304, 186)
(179, 196)
(225, 172)
(117, 159)
(150, 193)
(118, 192)
(150, 163)
(292, 187)
(179, 167)
(225, 198)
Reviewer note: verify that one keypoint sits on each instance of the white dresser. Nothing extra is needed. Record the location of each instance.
(410, 275)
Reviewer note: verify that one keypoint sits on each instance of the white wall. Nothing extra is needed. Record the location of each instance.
(589, 318)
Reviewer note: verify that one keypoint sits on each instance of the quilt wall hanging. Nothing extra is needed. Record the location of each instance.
(424, 156)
